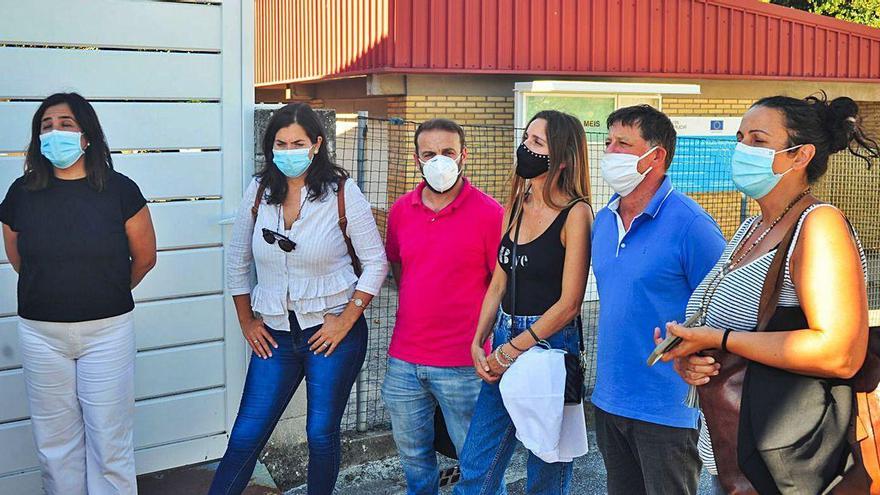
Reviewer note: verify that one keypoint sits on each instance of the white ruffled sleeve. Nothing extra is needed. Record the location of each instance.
(239, 249)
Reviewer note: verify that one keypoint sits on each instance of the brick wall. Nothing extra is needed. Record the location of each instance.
(470, 110)
(488, 123)
(713, 107)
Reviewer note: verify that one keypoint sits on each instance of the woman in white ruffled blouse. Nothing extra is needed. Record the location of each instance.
(304, 317)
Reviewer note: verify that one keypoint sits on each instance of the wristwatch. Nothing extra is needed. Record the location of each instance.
(358, 302)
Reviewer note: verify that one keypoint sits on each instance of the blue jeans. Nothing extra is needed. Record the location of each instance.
(268, 388)
(492, 437)
(412, 393)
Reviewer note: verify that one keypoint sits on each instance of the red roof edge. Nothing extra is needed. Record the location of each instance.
(800, 15)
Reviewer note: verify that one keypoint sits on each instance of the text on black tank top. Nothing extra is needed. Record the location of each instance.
(539, 268)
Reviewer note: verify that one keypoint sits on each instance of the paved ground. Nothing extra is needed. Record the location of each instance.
(385, 477)
(195, 480)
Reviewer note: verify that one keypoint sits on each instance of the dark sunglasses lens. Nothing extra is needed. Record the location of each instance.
(286, 245)
(268, 236)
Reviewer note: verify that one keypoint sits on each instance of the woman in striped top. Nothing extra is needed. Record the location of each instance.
(304, 318)
(819, 332)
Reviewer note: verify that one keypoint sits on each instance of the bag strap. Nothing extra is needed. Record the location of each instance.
(519, 216)
(261, 190)
(776, 274)
(580, 330)
(343, 226)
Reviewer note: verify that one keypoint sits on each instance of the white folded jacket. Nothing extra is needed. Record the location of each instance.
(533, 392)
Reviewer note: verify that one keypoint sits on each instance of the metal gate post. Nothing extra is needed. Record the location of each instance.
(361, 385)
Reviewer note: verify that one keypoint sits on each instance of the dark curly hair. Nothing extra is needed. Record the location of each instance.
(38, 170)
(322, 176)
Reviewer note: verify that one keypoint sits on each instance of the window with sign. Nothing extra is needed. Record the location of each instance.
(591, 110)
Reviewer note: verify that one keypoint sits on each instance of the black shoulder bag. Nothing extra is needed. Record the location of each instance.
(575, 364)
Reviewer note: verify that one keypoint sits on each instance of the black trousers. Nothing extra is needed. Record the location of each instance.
(647, 458)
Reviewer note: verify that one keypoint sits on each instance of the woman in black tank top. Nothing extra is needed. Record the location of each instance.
(548, 221)
(539, 268)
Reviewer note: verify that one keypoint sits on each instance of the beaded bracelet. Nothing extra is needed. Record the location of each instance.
(497, 357)
(507, 356)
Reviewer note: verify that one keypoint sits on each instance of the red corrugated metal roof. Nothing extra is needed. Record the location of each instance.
(313, 40)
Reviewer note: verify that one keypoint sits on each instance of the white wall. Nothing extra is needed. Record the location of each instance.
(164, 77)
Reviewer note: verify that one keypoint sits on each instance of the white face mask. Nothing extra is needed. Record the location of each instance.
(621, 171)
(441, 172)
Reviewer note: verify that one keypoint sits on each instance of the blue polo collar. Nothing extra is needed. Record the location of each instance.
(653, 207)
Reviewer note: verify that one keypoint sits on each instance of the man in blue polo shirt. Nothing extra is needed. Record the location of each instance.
(652, 245)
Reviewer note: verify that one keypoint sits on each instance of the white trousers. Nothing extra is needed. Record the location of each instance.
(80, 386)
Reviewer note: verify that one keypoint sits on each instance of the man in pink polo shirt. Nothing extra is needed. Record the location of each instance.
(442, 241)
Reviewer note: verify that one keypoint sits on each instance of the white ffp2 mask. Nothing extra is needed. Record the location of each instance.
(441, 172)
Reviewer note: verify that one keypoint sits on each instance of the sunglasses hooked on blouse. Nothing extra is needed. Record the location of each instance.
(286, 245)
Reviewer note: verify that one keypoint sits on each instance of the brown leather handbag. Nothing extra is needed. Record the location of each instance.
(864, 476)
(721, 400)
(343, 226)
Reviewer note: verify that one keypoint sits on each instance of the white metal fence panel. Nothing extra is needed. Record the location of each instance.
(112, 24)
(123, 74)
(128, 126)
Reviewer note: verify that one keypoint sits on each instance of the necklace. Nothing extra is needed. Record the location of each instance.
(731, 265)
(719, 275)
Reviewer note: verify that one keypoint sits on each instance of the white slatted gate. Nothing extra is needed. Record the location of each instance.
(175, 79)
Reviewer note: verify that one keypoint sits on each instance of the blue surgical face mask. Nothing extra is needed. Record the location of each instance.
(752, 169)
(292, 163)
(62, 148)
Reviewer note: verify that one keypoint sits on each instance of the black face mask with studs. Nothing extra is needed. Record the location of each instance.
(530, 164)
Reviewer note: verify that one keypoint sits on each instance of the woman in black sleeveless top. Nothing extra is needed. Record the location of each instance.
(539, 273)
(796, 403)
(550, 200)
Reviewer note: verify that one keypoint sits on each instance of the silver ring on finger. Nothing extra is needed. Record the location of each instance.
(326, 344)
